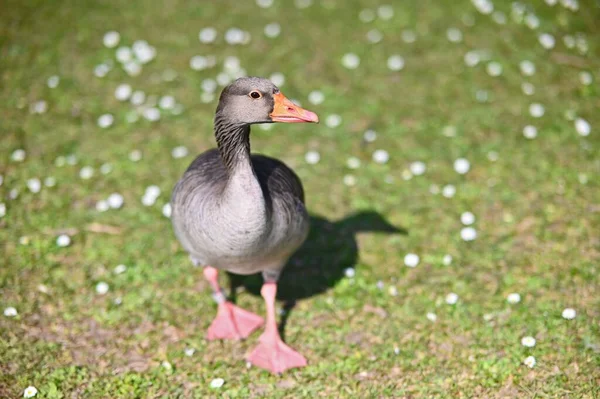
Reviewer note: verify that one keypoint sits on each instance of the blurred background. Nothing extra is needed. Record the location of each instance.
(453, 184)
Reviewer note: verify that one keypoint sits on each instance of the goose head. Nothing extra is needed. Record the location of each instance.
(253, 100)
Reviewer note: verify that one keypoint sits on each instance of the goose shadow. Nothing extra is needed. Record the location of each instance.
(320, 263)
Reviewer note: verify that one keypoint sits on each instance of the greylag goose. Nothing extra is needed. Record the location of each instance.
(244, 214)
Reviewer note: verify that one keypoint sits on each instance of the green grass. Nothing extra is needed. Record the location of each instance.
(537, 206)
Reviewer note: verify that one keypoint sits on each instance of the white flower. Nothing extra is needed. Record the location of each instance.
(166, 102)
(198, 63)
(264, 3)
(105, 121)
(333, 120)
(120, 269)
(381, 156)
(63, 240)
(143, 51)
(471, 58)
(217, 383)
(499, 17)
(532, 21)
(138, 97)
(132, 68)
(349, 180)
(353, 163)
(370, 136)
(53, 81)
(366, 15)
(209, 97)
(530, 132)
(494, 69)
(124, 54)
(18, 155)
(111, 39)
(34, 185)
(10, 312)
(209, 85)
(349, 272)
(50, 181)
(431, 316)
(300, 4)
(569, 313)
(123, 92)
(418, 168)
(2, 209)
(529, 361)
(583, 127)
(30, 392)
(277, 78)
(451, 298)
(312, 157)
(101, 70)
(151, 114)
(166, 210)
(115, 200)
(148, 200)
(179, 152)
(189, 351)
(527, 88)
(236, 36)
(468, 233)
(483, 6)
(536, 110)
(135, 155)
(102, 288)
(385, 12)
(350, 61)
(39, 107)
(411, 260)
(272, 30)
(492, 156)
(462, 166)
(447, 260)
(448, 191)
(102, 206)
(513, 298)
(207, 35)
(395, 62)
(316, 97)
(454, 35)
(374, 36)
(393, 291)
(408, 36)
(527, 68)
(105, 168)
(585, 78)
(547, 41)
(86, 172)
(166, 365)
(528, 341)
(467, 218)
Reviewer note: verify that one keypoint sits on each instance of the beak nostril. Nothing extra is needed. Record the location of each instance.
(291, 109)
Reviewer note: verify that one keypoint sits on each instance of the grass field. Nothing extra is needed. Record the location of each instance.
(369, 325)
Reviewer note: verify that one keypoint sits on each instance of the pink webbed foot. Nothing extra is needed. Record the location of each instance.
(274, 355)
(233, 322)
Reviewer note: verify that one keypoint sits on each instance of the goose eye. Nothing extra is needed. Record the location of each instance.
(255, 94)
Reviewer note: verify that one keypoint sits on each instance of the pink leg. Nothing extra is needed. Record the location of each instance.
(231, 322)
(271, 353)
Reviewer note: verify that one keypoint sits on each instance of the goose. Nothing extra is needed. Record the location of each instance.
(244, 213)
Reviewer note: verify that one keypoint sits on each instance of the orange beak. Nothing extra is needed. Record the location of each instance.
(286, 111)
